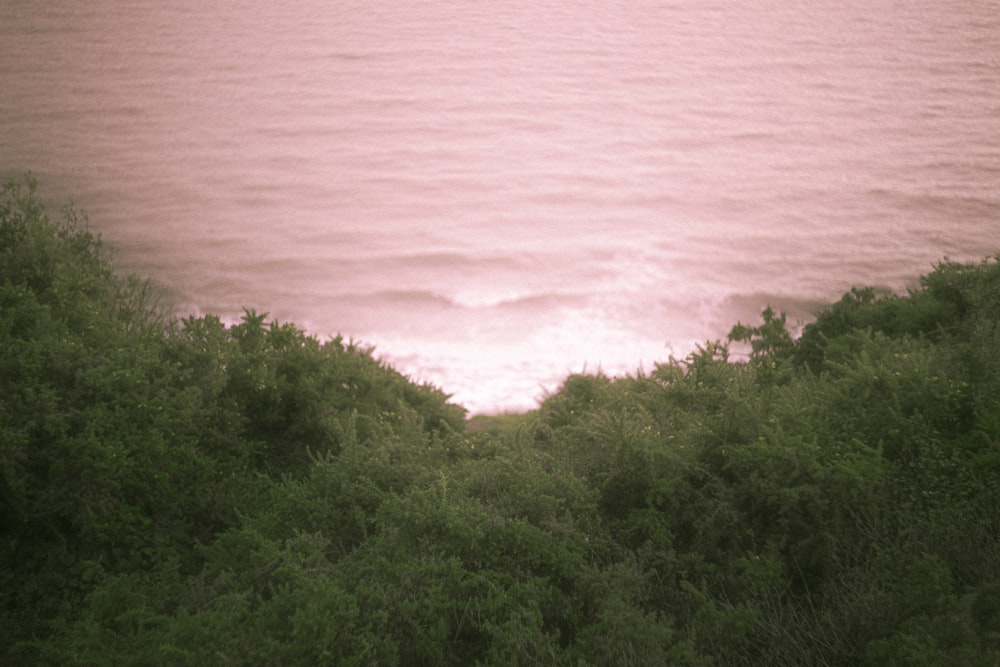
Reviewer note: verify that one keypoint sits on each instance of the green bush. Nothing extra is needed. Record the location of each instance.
(178, 492)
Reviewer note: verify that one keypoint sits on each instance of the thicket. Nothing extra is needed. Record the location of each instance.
(190, 493)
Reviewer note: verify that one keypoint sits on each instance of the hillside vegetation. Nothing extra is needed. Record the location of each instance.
(191, 493)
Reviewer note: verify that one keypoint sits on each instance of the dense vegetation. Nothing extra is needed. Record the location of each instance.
(187, 493)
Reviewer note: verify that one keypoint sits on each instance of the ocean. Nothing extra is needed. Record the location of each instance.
(496, 195)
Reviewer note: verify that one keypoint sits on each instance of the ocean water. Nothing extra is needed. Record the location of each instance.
(498, 194)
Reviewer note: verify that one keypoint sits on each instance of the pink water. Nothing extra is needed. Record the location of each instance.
(498, 194)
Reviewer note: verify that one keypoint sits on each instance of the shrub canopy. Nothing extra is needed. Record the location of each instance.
(186, 492)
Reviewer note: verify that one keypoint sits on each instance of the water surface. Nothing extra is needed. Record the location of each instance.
(497, 194)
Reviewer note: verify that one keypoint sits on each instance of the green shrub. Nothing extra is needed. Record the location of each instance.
(186, 492)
